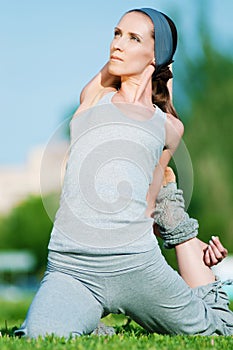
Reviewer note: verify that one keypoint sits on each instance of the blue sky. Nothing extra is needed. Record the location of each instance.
(51, 48)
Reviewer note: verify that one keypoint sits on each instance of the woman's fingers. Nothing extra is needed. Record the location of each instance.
(169, 176)
(206, 257)
(214, 260)
(218, 255)
(219, 246)
(215, 252)
(145, 80)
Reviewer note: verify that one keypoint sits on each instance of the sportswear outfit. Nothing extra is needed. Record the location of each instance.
(103, 256)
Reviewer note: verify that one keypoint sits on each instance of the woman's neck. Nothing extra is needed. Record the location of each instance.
(134, 90)
(137, 89)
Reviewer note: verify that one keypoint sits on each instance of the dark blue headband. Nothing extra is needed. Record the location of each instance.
(164, 45)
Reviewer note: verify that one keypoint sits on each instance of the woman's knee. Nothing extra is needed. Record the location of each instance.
(63, 306)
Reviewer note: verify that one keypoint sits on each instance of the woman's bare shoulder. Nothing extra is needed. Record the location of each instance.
(92, 93)
(174, 131)
(102, 83)
(92, 98)
(175, 124)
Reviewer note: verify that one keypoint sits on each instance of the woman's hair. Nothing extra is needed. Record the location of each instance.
(160, 93)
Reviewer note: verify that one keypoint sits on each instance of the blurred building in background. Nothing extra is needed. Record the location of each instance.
(42, 173)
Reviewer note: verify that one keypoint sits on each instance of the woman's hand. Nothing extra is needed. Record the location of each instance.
(169, 176)
(214, 252)
(144, 83)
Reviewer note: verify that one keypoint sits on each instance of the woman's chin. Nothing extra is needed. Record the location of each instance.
(114, 70)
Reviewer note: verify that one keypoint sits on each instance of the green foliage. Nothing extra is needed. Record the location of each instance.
(120, 342)
(129, 336)
(27, 226)
(13, 312)
(208, 137)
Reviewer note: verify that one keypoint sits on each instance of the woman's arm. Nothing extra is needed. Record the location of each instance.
(174, 132)
(102, 83)
(174, 228)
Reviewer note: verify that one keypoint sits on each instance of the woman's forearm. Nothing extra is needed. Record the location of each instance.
(157, 181)
(102, 80)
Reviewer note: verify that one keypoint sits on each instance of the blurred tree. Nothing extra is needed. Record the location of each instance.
(27, 226)
(208, 134)
(203, 90)
(208, 137)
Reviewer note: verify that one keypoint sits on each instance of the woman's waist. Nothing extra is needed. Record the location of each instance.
(95, 243)
(102, 231)
(74, 263)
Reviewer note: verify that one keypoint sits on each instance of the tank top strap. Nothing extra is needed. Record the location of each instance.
(106, 98)
(161, 114)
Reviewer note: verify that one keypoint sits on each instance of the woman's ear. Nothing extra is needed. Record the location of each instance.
(153, 62)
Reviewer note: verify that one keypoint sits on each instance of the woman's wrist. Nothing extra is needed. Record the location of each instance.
(174, 223)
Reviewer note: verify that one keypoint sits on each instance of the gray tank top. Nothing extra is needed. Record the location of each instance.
(109, 169)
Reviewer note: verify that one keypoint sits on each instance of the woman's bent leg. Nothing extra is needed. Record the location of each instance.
(162, 302)
(191, 264)
(63, 306)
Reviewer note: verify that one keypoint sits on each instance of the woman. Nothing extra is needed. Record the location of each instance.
(103, 256)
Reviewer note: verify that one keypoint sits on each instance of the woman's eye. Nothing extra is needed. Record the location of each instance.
(135, 38)
(116, 33)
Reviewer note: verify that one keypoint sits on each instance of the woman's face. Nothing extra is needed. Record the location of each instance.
(132, 48)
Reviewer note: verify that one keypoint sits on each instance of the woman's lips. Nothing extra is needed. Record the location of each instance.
(115, 58)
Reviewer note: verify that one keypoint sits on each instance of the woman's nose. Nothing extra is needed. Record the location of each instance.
(119, 44)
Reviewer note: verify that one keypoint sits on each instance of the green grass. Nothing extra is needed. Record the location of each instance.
(129, 336)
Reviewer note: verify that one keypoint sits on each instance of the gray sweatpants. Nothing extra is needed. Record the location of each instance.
(77, 291)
